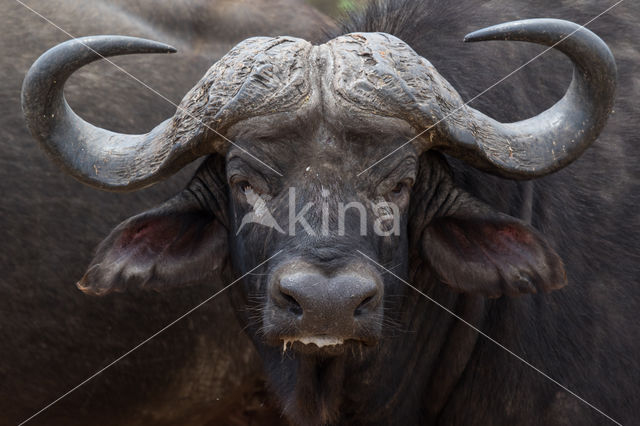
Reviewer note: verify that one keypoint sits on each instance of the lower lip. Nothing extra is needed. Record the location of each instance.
(313, 344)
(321, 345)
(319, 341)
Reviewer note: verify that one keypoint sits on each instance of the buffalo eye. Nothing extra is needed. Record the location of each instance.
(249, 191)
(397, 190)
(244, 186)
(241, 188)
(399, 193)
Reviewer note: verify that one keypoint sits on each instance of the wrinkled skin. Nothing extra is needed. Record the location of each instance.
(312, 287)
(424, 366)
(434, 368)
(54, 336)
(316, 384)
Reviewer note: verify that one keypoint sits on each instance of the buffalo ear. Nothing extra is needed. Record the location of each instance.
(176, 244)
(493, 255)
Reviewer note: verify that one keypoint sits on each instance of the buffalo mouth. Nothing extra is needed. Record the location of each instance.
(323, 345)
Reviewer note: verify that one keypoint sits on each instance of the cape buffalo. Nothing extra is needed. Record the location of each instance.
(381, 240)
(52, 336)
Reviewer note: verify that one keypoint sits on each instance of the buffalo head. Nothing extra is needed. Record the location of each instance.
(290, 131)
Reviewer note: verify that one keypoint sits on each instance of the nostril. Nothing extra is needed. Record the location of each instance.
(298, 291)
(363, 306)
(292, 304)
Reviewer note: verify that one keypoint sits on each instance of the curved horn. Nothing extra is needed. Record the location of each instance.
(552, 139)
(93, 155)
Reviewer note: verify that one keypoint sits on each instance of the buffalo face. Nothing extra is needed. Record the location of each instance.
(325, 189)
(320, 293)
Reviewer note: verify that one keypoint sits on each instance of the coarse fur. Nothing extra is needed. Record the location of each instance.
(583, 336)
(466, 235)
(52, 335)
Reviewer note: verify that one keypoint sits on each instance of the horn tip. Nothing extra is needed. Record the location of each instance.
(170, 49)
(162, 47)
(481, 35)
(138, 45)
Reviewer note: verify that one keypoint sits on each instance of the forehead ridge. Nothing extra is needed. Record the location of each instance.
(353, 80)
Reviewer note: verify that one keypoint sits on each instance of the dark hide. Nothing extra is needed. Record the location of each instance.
(52, 335)
(465, 235)
(468, 233)
(585, 335)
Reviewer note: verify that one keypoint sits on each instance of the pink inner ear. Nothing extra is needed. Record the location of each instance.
(480, 240)
(508, 241)
(173, 235)
(155, 234)
(516, 234)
